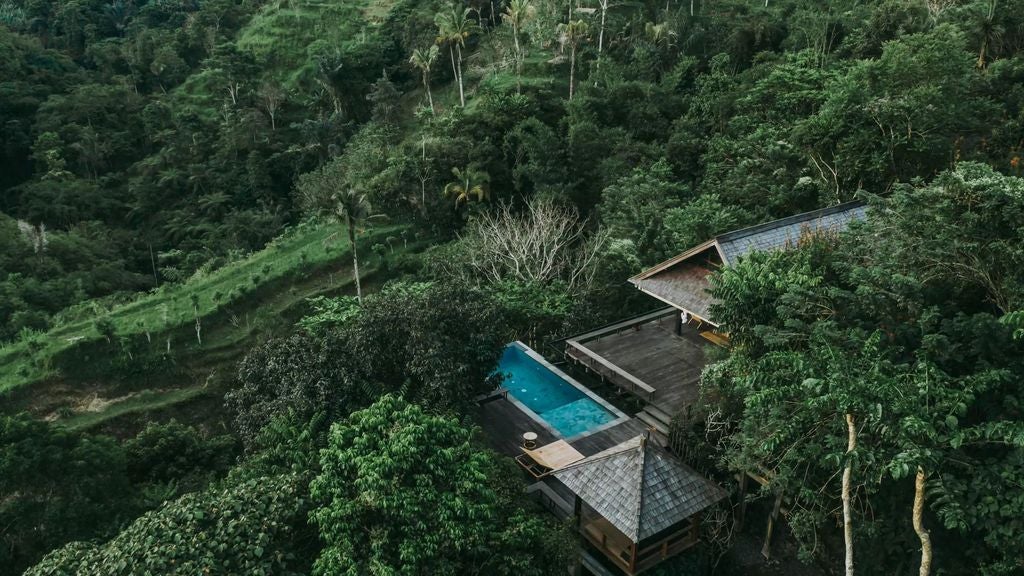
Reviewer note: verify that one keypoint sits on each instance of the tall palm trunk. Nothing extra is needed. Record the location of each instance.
(426, 86)
(922, 533)
(600, 38)
(355, 256)
(455, 71)
(851, 444)
(572, 71)
(519, 58)
(462, 94)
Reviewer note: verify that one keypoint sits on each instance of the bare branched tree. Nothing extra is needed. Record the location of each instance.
(541, 244)
(937, 7)
(34, 235)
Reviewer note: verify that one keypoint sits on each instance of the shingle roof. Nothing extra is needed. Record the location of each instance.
(639, 487)
(684, 285)
(787, 231)
(675, 282)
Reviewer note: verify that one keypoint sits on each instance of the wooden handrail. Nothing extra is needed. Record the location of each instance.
(618, 327)
(589, 357)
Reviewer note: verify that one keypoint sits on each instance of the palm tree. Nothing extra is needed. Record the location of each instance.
(326, 190)
(573, 34)
(660, 35)
(453, 27)
(468, 183)
(423, 60)
(353, 209)
(989, 30)
(517, 13)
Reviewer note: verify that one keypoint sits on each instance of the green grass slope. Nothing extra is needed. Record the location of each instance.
(171, 311)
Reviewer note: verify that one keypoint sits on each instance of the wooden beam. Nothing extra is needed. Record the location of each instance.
(766, 550)
(742, 512)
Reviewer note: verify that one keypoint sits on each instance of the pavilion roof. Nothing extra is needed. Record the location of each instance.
(639, 487)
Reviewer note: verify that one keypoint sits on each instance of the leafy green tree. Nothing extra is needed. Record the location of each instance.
(700, 220)
(58, 486)
(437, 344)
(405, 492)
(967, 232)
(300, 374)
(174, 453)
(881, 124)
(538, 160)
(252, 527)
(635, 208)
(385, 98)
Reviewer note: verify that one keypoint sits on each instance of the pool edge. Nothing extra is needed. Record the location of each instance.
(537, 357)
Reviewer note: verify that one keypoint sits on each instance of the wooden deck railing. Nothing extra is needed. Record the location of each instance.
(579, 353)
(622, 325)
(647, 557)
(660, 551)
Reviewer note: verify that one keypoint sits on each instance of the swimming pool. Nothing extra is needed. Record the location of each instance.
(551, 396)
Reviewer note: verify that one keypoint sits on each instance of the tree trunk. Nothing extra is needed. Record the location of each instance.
(426, 85)
(600, 37)
(519, 58)
(455, 71)
(981, 53)
(462, 94)
(199, 327)
(922, 533)
(572, 72)
(851, 444)
(355, 257)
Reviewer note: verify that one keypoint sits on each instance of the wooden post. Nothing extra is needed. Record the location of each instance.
(766, 550)
(632, 558)
(742, 512)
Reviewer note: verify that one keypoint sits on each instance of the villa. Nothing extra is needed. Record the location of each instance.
(634, 503)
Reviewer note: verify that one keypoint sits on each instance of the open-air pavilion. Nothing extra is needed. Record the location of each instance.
(637, 504)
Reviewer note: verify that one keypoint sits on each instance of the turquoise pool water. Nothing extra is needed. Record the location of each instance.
(565, 407)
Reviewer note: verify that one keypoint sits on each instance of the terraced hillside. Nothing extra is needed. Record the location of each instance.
(179, 343)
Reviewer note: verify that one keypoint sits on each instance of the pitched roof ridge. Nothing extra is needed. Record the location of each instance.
(600, 456)
(644, 441)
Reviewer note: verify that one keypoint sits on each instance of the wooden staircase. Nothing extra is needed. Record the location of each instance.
(658, 421)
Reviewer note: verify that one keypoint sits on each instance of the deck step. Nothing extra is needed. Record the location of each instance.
(658, 413)
(652, 422)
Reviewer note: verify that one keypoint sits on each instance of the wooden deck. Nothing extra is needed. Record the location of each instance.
(667, 364)
(503, 424)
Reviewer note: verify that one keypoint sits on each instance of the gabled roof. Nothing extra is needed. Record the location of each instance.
(682, 280)
(639, 487)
